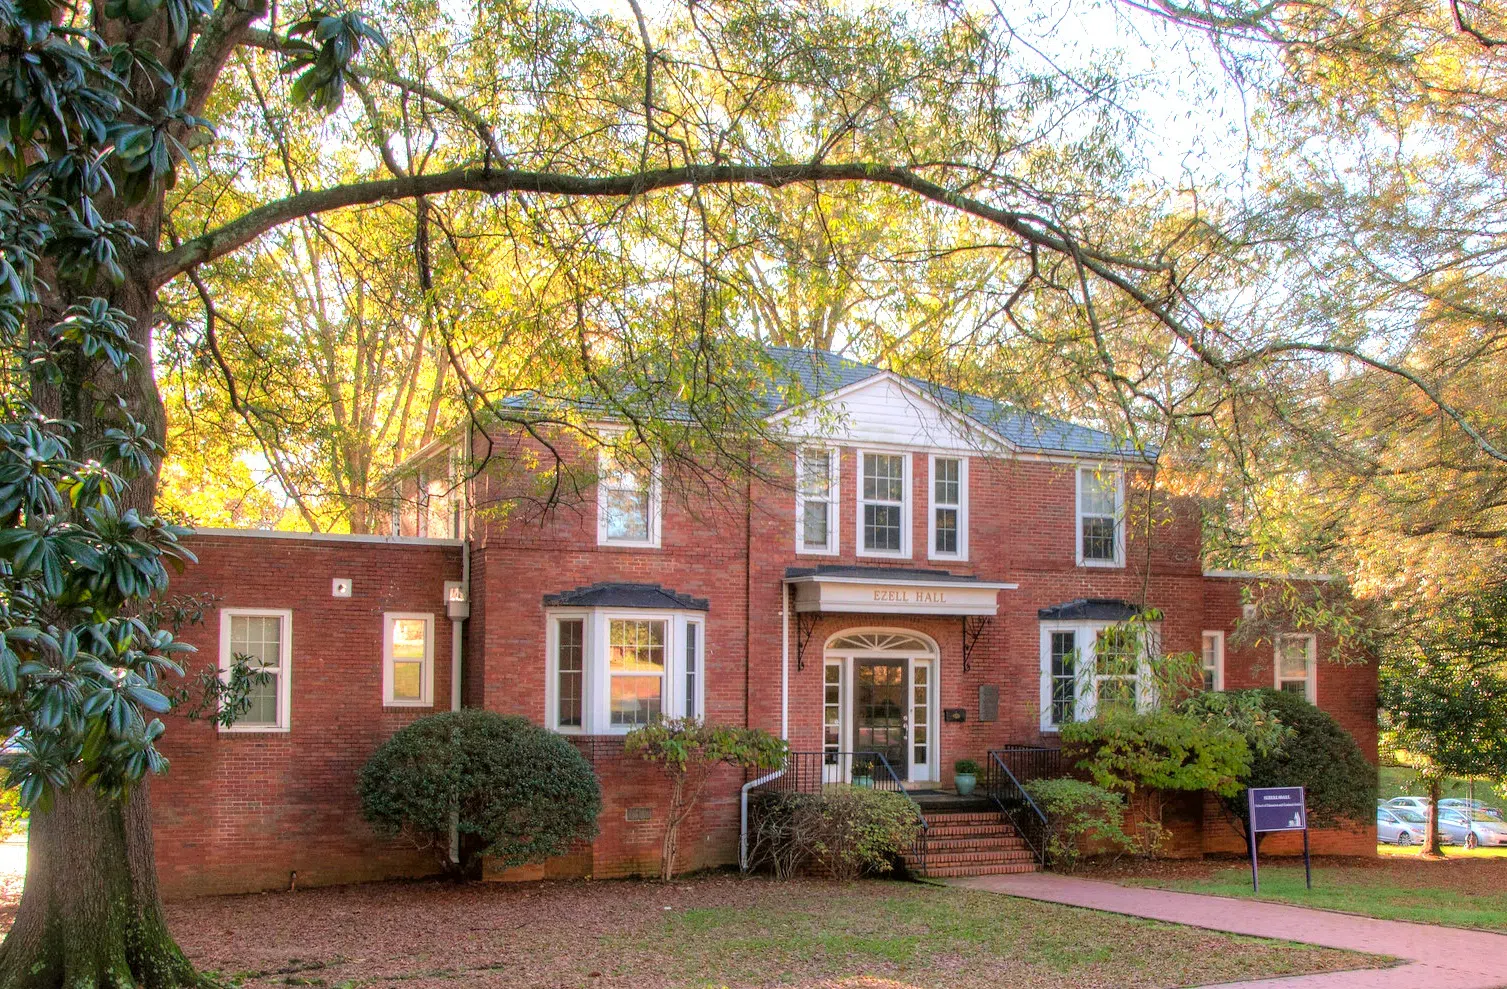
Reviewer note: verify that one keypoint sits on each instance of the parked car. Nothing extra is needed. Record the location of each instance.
(1457, 803)
(1472, 828)
(1400, 826)
(1419, 804)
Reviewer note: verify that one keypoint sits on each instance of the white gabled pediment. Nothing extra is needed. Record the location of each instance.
(886, 410)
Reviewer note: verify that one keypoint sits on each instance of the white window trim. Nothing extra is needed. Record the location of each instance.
(596, 677)
(907, 500)
(426, 677)
(285, 665)
(834, 499)
(1085, 675)
(1218, 636)
(1311, 674)
(604, 457)
(932, 505)
(1119, 475)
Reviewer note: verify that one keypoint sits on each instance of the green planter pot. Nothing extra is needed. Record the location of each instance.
(965, 782)
(867, 782)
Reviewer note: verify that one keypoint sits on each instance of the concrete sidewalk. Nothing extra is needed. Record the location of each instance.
(1433, 956)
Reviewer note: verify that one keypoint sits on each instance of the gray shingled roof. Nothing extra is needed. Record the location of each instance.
(621, 594)
(812, 373)
(1090, 609)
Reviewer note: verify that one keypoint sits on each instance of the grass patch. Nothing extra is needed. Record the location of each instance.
(717, 931)
(1463, 891)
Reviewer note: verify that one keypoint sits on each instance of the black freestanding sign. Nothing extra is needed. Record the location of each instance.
(1277, 808)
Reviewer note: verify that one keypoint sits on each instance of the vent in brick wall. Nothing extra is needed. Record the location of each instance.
(638, 814)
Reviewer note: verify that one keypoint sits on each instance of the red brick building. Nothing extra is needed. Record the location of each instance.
(912, 572)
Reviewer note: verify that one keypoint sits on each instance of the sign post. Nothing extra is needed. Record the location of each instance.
(1277, 808)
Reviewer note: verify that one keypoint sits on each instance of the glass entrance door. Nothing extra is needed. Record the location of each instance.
(880, 717)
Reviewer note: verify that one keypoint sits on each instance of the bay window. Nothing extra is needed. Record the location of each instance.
(1095, 668)
(883, 504)
(1101, 530)
(611, 671)
(816, 500)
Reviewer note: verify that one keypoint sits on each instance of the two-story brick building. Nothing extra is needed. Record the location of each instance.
(910, 572)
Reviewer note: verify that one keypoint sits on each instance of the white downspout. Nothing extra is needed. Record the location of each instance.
(784, 726)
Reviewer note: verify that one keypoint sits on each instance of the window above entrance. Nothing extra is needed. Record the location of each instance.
(881, 641)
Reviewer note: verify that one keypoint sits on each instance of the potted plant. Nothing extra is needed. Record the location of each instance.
(965, 776)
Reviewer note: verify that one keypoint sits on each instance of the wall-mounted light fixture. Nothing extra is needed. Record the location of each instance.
(340, 587)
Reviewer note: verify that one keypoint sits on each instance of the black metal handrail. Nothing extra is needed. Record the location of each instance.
(1031, 762)
(808, 772)
(1016, 804)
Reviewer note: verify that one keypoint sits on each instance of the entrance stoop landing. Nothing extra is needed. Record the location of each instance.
(969, 842)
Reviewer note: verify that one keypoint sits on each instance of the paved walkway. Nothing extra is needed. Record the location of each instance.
(1434, 956)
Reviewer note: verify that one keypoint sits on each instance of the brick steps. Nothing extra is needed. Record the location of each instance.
(971, 843)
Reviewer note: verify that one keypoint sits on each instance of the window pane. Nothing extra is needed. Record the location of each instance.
(627, 514)
(1115, 653)
(408, 638)
(814, 523)
(1295, 687)
(883, 477)
(945, 482)
(1294, 657)
(1116, 695)
(570, 657)
(816, 474)
(1064, 676)
(635, 700)
(881, 527)
(1100, 493)
(692, 669)
(947, 530)
(407, 677)
(1099, 539)
(263, 703)
(258, 638)
(637, 647)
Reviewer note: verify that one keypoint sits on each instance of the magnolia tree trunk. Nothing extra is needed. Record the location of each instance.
(90, 914)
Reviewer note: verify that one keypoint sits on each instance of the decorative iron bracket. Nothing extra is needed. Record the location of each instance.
(805, 627)
(973, 627)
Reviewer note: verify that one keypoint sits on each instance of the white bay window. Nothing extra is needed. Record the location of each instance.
(1095, 668)
(611, 671)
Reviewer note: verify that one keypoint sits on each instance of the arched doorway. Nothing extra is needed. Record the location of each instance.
(880, 695)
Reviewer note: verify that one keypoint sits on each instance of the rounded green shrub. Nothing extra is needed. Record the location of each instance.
(513, 790)
(1082, 819)
(1316, 754)
(841, 831)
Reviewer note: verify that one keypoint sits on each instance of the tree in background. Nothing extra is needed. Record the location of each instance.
(1444, 694)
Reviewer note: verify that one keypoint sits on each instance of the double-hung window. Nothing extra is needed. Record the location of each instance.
(1095, 668)
(816, 500)
(260, 641)
(948, 529)
(1213, 660)
(611, 671)
(1101, 529)
(628, 509)
(883, 506)
(1295, 662)
(407, 659)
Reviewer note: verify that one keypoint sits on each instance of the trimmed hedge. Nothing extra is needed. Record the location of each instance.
(842, 831)
(513, 790)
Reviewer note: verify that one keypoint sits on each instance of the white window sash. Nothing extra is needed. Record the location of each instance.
(860, 549)
(1217, 638)
(651, 493)
(961, 507)
(1310, 677)
(833, 500)
(389, 660)
(1079, 516)
(552, 681)
(1086, 676)
(284, 671)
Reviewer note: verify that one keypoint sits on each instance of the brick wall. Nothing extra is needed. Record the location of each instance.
(241, 811)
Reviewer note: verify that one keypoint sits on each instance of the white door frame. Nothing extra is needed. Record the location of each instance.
(920, 649)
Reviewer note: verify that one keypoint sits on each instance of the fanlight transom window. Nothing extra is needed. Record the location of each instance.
(881, 641)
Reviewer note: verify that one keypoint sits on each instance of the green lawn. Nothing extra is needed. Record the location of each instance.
(1465, 890)
(711, 931)
(1395, 781)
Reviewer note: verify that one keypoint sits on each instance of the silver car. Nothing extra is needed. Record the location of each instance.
(1459, 804)
(1473, 828)
(1400, 826)
(1418, 804)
